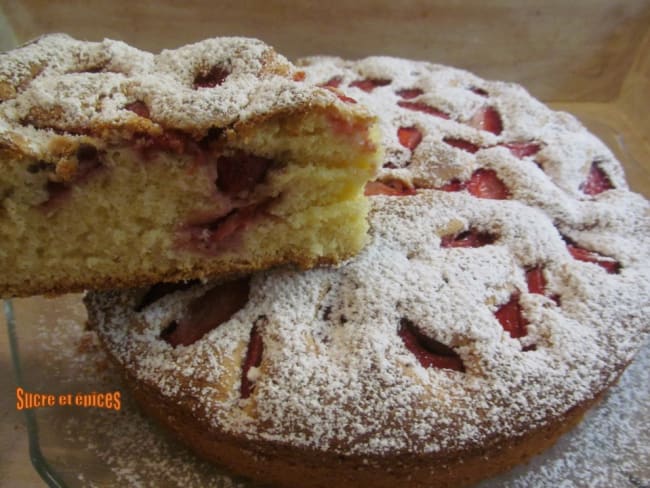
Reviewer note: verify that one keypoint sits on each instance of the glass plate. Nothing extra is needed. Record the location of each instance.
(73, 446)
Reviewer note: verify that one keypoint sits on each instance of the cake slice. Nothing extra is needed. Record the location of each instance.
(122, 168)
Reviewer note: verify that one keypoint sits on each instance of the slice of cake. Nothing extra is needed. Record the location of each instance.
(123, 168)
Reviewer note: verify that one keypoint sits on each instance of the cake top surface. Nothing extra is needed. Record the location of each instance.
(57, 85)
(506, 281)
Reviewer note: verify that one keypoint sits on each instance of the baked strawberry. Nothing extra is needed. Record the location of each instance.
(138, 107)
(453, 186)
(535, 280)
(241, 172)
(428, 351)
(393, 188)
(487, 119)
(479, 91)
(252, 360)
(409, 137)
(409, 93)
(422, 107)
(207, 312)
(461, 144)
(485, 183)
(511, 319)
(581, 254)
(368, 84)
(215, 77)
(522, 149)
(334, 82)
(469, 238)
(597, 181)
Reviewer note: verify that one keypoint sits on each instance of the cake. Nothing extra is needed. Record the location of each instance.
(122, 168)
(503, 291)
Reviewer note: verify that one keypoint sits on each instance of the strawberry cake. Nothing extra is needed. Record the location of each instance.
(123, 168)
(504, 289)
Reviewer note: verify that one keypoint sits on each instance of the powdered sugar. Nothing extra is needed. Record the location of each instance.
(335, 374)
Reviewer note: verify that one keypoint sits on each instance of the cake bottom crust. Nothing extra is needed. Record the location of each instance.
(291, 467)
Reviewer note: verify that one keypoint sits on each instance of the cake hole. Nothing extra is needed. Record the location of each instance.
(479, 91)
(214, 77)
(487, 119)
(408, 93)
(38, 166)
(597, 181)
(160, 290)
(392, 187)
(468, 238)
(210, 141)
(511, 318)
(139, 108)
(429, 352)
(327, 312)
(369, 84)
(461, 144)
(409, 137)
(422, 107)
(253, 358)
(207, 312)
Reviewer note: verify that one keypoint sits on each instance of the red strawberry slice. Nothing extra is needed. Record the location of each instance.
(536, 281)
(299, 76)
(393, 188)
(409, 93)
(485, 183)
(138, 107)
(216, 76)
(511, 318)
(428, 351)
(334, 82)
(241, 172)
(581, 254)
(597, 181)
(422, 107)
(469, 238)
(207, 312)
(368, 84)
(461, 144)
(453, 186)
(487, 119)
(253, 359)
(409, 137)
(479, 91)
(522, 149)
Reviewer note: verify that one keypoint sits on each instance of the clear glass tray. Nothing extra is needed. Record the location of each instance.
(88, 447)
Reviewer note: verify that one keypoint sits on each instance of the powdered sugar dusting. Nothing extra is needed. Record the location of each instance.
(335, 374)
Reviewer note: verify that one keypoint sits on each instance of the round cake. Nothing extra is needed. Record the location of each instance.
(504, 289)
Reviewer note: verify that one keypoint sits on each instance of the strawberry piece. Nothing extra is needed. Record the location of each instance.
(216, 76)
(208, 312)
(422, 107)
(535, 280)
(252, 360)
(409, 137)
(393, 188)
(139, 108)
(334, 82)
(159, 290)
(487, 119)
(485, 183)
(409, 93)
(461, 144)
(479, 91)
(522, 149)
(369, 84)
(428, 351)
(299, 76)
(511, 319)
(240, 172)
(453, 186)
(581, 254)
(469, 238)
(597, 181)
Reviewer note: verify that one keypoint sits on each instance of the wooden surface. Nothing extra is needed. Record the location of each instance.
(591, 57)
